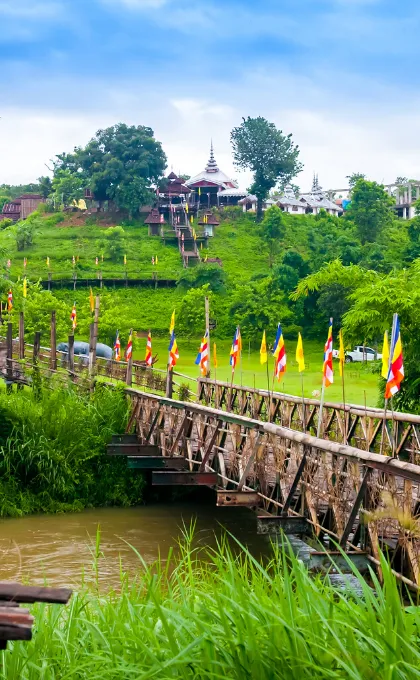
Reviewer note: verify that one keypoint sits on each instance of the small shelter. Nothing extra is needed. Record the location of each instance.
(154, 220)
(209, 221)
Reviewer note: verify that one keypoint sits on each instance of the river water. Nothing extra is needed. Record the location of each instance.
(58, 550)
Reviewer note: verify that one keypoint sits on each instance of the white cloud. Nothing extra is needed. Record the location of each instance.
(30, 9)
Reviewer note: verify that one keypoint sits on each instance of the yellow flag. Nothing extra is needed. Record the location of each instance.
(201, 245)
(385, 356)
(24, 287)
(199, 191)
(214, 355)
(156, 259)
(341, 353)
(48, 261)
(172, 326)
(263, 350)
(186, 208)
(125, 259)
(192, 219)
(91, 301)
(299, 354)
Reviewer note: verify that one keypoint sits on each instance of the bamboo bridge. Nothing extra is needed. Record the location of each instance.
(355, 489)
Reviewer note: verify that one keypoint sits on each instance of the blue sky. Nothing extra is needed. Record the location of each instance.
(340, 75)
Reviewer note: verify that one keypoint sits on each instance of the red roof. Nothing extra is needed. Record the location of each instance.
(32, 196)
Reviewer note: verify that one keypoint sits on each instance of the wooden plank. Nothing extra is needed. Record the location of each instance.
(124, 439)
(249, 499)
(133, 450)
(271, 524)
(184, 478)
(157, 462)
(17, 593)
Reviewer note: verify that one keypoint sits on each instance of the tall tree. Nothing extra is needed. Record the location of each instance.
(119, 163)
(272, 232)
(370, 209)
(354, 178)
(272, 156)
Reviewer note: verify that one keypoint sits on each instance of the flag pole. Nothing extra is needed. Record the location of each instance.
(303, 404)
(321, 405)
(268, 388)
(391, 351)
(343, 387)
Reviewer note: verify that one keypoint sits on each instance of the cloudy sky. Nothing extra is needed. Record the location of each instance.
(341, 75)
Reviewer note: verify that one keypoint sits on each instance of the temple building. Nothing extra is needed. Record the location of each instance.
(209, 185)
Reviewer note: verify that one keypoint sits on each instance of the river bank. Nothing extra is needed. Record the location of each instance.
(222, 617)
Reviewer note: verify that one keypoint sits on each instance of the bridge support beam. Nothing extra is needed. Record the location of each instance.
(248, 499)
(157, 463)
(184, 478)
(268, 524)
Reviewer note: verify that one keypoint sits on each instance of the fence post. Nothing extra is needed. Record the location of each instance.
(53, 357)
(93, 338)
(169, 384)
(71, 355)
(49, 280)
(37, 347)
(74, 280)
(21, 336)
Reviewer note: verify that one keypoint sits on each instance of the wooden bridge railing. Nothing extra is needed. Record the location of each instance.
(364, 500)
(367, 428)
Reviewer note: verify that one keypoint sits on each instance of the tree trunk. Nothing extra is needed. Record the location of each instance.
(259, 209)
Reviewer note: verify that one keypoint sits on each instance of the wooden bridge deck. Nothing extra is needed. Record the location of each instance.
(364, 501)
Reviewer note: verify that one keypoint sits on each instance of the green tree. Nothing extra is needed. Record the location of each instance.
(131, 195)
(68, 186)
(3, 199)
(370, 210)
(272, 156)
(45, 186)
(24, 233)
(191, 319)
(354, 178)
(272, 232)
(118, 163)
(202, 275)
(115, 243)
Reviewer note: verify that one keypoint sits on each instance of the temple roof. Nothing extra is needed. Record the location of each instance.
(232, 192)
(212, 174)
(175, 185)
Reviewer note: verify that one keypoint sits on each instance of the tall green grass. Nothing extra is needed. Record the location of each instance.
(226, 616)
(53, 451)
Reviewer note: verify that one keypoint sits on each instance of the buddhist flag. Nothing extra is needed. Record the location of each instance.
(10, 300)
(148, 357)
(172, 324)
(125, 260)
(299, 354)
(96, 261)
(129, 350)
(263, 350)
(9, 263)
(48, 261)
(156, 259)
(153, 260)
(236, 348)
(385, 357)
(341, 353)
(117, 347)
(279, 353)
(186, 207)
(396, 367)
(74, 260)
(192, 219)
(73, 316)
(173, 352)
(194, 235)
(199, 191)
(202, 359)
(25, 262)
(24, 287)
(328, 374)
(91, 301)
(214, 355)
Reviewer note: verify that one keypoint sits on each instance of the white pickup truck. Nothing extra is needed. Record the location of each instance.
(359, 353)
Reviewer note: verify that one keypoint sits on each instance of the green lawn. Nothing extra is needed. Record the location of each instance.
(360, 382)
